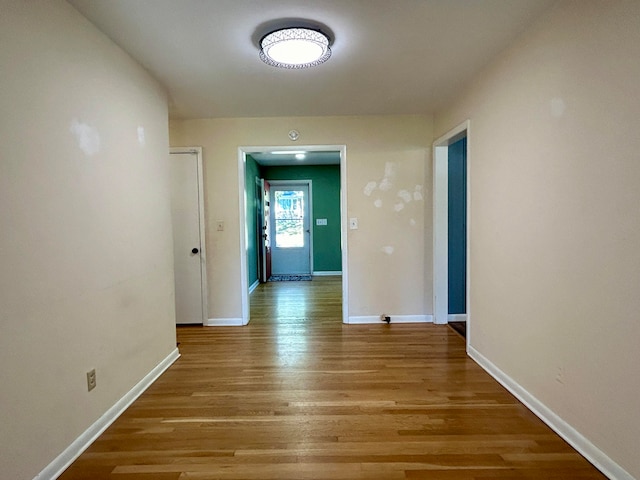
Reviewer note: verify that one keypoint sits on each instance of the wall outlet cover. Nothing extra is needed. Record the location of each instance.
(91, 380)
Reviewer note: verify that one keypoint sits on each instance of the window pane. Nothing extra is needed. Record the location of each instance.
(289, 218)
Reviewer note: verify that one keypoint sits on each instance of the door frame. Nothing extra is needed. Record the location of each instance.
(263, 253)
(243, 151)
(308, 183)
(441, 223)
(197, 151)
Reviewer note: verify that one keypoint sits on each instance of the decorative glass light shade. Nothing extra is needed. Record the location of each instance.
(295, 48)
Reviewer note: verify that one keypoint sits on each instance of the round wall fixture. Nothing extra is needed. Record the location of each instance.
(294, 135)
(295, 47)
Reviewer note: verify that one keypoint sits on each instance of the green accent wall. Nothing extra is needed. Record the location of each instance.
(327, 255)
(458, 227)
(252, 173)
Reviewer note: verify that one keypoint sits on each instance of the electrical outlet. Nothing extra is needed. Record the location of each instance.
(91, 380)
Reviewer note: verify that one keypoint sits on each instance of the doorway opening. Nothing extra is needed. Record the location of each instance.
(291, 245)
(292, 202)
(451, 229)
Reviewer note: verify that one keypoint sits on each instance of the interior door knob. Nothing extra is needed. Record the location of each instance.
(195, 250)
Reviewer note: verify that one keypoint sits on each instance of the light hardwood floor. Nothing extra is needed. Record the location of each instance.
(298, 395)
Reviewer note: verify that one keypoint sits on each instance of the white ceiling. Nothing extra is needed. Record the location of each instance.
(277, 157)
(389, 56)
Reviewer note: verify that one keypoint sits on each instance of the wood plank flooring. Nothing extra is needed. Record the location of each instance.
(298, 395)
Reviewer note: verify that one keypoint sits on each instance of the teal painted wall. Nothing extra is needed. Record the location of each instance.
(252, 172)
(327, 256)
(458, 227)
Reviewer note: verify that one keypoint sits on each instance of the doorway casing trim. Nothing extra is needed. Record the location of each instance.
(197, 151)
(441, 224)
(243, 151)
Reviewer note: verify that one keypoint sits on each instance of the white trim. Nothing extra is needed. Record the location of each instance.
(441, 227)
(344, 229)
(197, 151)
(327, 273)
(578, 441)
(225, 322)
(84, 441)
(253, 286)
(368, 319)
(242, 201)
(262, 250)
(244, 282)
(457, 317)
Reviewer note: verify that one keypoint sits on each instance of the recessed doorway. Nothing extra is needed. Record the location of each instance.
(451, 228)
(290, 227)
(306, 219)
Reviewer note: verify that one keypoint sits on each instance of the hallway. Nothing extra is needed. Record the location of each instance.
(298, 395)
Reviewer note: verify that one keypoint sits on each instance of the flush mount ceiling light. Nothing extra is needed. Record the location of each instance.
(295, 47)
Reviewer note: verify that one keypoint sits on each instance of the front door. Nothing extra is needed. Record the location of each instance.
(290, 229)
(187, 248)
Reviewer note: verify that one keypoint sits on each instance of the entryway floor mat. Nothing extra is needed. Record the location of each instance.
(289, 278)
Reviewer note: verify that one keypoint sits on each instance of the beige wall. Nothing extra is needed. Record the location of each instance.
(388, 268)
(85, 238)
(555, 217)
(86, 273)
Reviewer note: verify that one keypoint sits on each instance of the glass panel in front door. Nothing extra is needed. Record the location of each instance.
(289, 218)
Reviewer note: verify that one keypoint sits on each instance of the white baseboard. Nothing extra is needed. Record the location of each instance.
(394, 319)
(80, 444)
(327, 274)
(457, 317)
(578, 441)
(253, 286)
(224, 322)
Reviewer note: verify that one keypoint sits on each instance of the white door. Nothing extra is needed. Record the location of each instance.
(290, 230)
(188, 257)
(265, 231)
